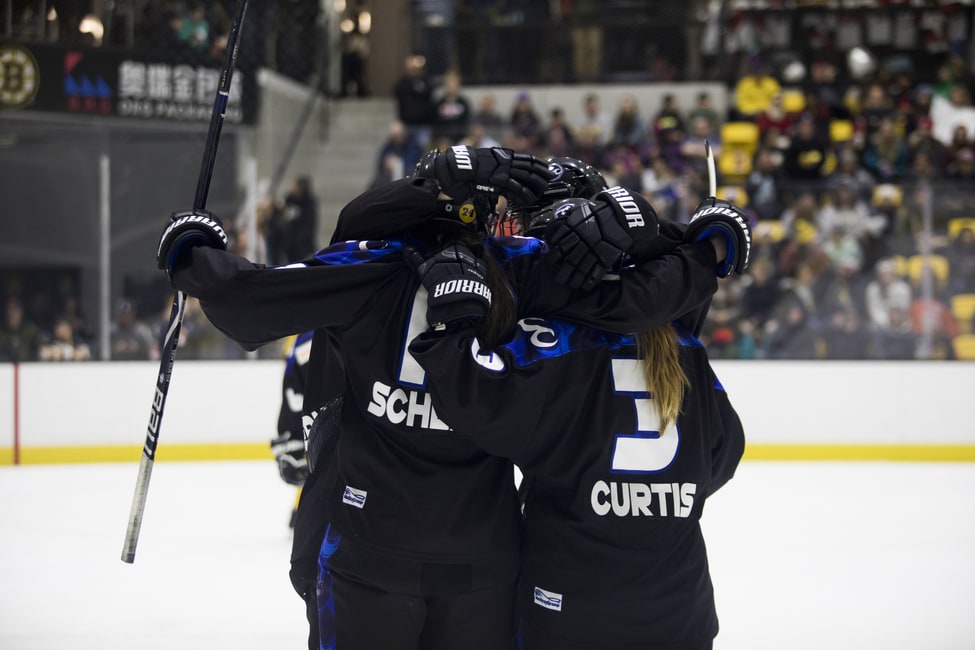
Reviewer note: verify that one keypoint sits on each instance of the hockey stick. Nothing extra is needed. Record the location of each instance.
(712, 176)
(171, 337)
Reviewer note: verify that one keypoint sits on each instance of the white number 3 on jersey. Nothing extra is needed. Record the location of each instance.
(647, 449)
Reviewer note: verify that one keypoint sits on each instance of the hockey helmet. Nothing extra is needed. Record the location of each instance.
(476, 213)
(571, 178)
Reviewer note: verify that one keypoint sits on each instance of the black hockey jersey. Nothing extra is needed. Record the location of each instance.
(428, 511)
(613, 553)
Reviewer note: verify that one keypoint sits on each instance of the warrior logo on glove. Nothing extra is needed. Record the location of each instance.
(627, 205)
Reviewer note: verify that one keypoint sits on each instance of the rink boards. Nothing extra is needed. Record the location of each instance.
(99, 412)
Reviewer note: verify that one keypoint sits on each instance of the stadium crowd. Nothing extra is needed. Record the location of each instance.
(864, 221)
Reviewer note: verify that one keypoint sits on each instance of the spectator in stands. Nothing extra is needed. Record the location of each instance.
(71, 310)
(300, 220)
(593, 131)
(804, 159)
(849, 172)
(451, 111)
(963, 166)
(524, 123)
(692, 148)
(876, 106)
(414, 100)
(846, 336)
(668, 132)
(131, 338)
(63, 344)
(355, 56)
(842, 248)
(397, 157)
(489, 118)
(895, 339)
(886, 291)
(200, 339)
(790, 333)
(886, 154)
(668, 116)
(762, 186)
(20, 339)
(932, 320)
(921, 141)
(828, 90)
(478, 137)
(760, 293)
(754, 91)
(703, 107)
(843, 207)
(961, 260)
(775, 117)
(557, 139)
(194, 30)
(629, 129)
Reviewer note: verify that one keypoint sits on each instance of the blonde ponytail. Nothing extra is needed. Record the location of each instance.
(662, 371)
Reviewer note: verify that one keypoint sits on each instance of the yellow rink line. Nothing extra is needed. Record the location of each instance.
(262, 451)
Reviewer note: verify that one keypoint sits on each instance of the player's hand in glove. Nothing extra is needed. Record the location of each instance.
(456, 283)
(185, 230)
(716, 217)
(462, 170)
(289, 451)
(588, 238)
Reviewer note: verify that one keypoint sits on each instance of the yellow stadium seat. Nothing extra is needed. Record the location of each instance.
(840, 130)
(958, 224)
(793, 101)
(963, 309)
(743, 135)
(734, 165)
(964, 345)
(938, 263)
(901, 265)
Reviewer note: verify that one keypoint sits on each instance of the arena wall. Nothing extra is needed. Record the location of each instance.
(99, 412)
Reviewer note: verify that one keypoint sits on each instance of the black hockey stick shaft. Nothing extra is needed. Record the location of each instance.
(171, 338)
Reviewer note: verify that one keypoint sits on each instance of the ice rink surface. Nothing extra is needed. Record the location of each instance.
(805, 556)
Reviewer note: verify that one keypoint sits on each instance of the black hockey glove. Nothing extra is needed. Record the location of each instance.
(456, 283)
(185, 230)
(462, 170)
(590, 238)
(717, 216)
(289, 451)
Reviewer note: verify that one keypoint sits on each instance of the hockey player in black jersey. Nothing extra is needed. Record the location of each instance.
(422, 525)
(621, 439)
(288, 446)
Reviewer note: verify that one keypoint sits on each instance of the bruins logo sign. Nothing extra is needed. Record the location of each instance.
(19, 77)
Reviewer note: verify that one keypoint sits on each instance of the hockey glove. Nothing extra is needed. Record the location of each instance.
(289, 451)
(593, 237)
(456, 284)
(186, 230)
(714, 216)
(462, 170)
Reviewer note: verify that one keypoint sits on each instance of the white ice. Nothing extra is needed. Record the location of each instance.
(805, 556)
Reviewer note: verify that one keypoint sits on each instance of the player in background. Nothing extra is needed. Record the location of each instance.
(423, 527)
(288, 446)
(621, 439)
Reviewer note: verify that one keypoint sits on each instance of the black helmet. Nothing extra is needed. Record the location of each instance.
(476, 213)
(571, 178)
